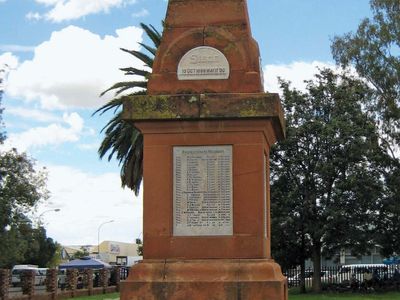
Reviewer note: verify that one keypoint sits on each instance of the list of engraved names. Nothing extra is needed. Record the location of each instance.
(203, 191)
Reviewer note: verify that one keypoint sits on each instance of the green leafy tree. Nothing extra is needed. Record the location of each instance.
(41, 248)
(22, 188)
(139, 244)
(13, 245)
(56, 258)
(374, 51)
(122, 139)
(82, 252)
(324, 175)
(387, 223)
(290, 245)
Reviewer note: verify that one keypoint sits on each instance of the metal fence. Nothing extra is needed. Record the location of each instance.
(361, 276)
(57, 283)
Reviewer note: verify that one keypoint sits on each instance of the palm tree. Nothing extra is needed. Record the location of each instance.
(122, 139)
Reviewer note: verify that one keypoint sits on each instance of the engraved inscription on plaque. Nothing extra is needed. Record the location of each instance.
(203, 191)
(203, 63)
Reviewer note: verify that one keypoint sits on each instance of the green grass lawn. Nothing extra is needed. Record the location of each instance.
(113, 296)
(349, 296)
(309, 296)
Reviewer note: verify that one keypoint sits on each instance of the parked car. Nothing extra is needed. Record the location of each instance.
(17, 270)
(61, 278)
(358, 271)
(308, 275)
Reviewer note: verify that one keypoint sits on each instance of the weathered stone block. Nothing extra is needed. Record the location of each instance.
(205, 280)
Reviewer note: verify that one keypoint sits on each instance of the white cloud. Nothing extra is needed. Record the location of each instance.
(89, 147)
(16, 48)
(85, 201)
(75, 121)
(140, 14)
(35, 16)
(73, 67)
(53, 134)
(295, 72)
(64, 10)
(48, 2)
(8, 61)
(32, 114)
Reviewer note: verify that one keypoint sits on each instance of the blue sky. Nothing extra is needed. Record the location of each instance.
(61, 54)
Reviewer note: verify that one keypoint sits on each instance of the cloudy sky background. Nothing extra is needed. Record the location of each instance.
(61, 54)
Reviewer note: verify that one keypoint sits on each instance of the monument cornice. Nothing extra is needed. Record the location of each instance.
(196, 107)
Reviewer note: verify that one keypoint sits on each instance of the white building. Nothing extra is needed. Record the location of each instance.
(112, 252)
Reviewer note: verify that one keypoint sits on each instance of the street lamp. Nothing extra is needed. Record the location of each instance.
(98, 235)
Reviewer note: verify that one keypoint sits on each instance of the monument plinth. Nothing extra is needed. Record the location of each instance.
(207, 128)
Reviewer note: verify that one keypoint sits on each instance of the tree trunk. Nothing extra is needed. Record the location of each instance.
(316, 258)
(302, 277)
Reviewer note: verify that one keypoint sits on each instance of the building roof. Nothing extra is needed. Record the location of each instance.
(85, 263)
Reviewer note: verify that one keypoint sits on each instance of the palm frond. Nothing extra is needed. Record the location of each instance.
(124, 84)
(133, 166)
(136, 84)
(152, 50)
(112, 104)
(112, 124)
(134, 71)
(148, 61)
(122, 140)
(152, 33)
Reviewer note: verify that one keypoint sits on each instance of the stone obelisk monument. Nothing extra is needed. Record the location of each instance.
(208, 127)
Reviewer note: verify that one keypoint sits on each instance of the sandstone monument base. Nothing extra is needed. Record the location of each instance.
(244, 279)
(236, 266)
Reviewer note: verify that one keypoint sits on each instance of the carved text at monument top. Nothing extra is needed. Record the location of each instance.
(203, 63)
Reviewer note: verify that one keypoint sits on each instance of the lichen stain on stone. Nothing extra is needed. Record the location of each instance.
(192, 106)
(193, 99)
(253, 108)
(230, 47)
(218, 36)
(248, 113)
(153, 107)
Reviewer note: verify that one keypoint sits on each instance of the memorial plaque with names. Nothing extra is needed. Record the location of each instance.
(202, 191)
(203, 63)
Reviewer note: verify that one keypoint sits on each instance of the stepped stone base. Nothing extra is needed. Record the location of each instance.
(247, 279)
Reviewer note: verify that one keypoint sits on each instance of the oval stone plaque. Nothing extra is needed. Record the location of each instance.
(203, 63)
